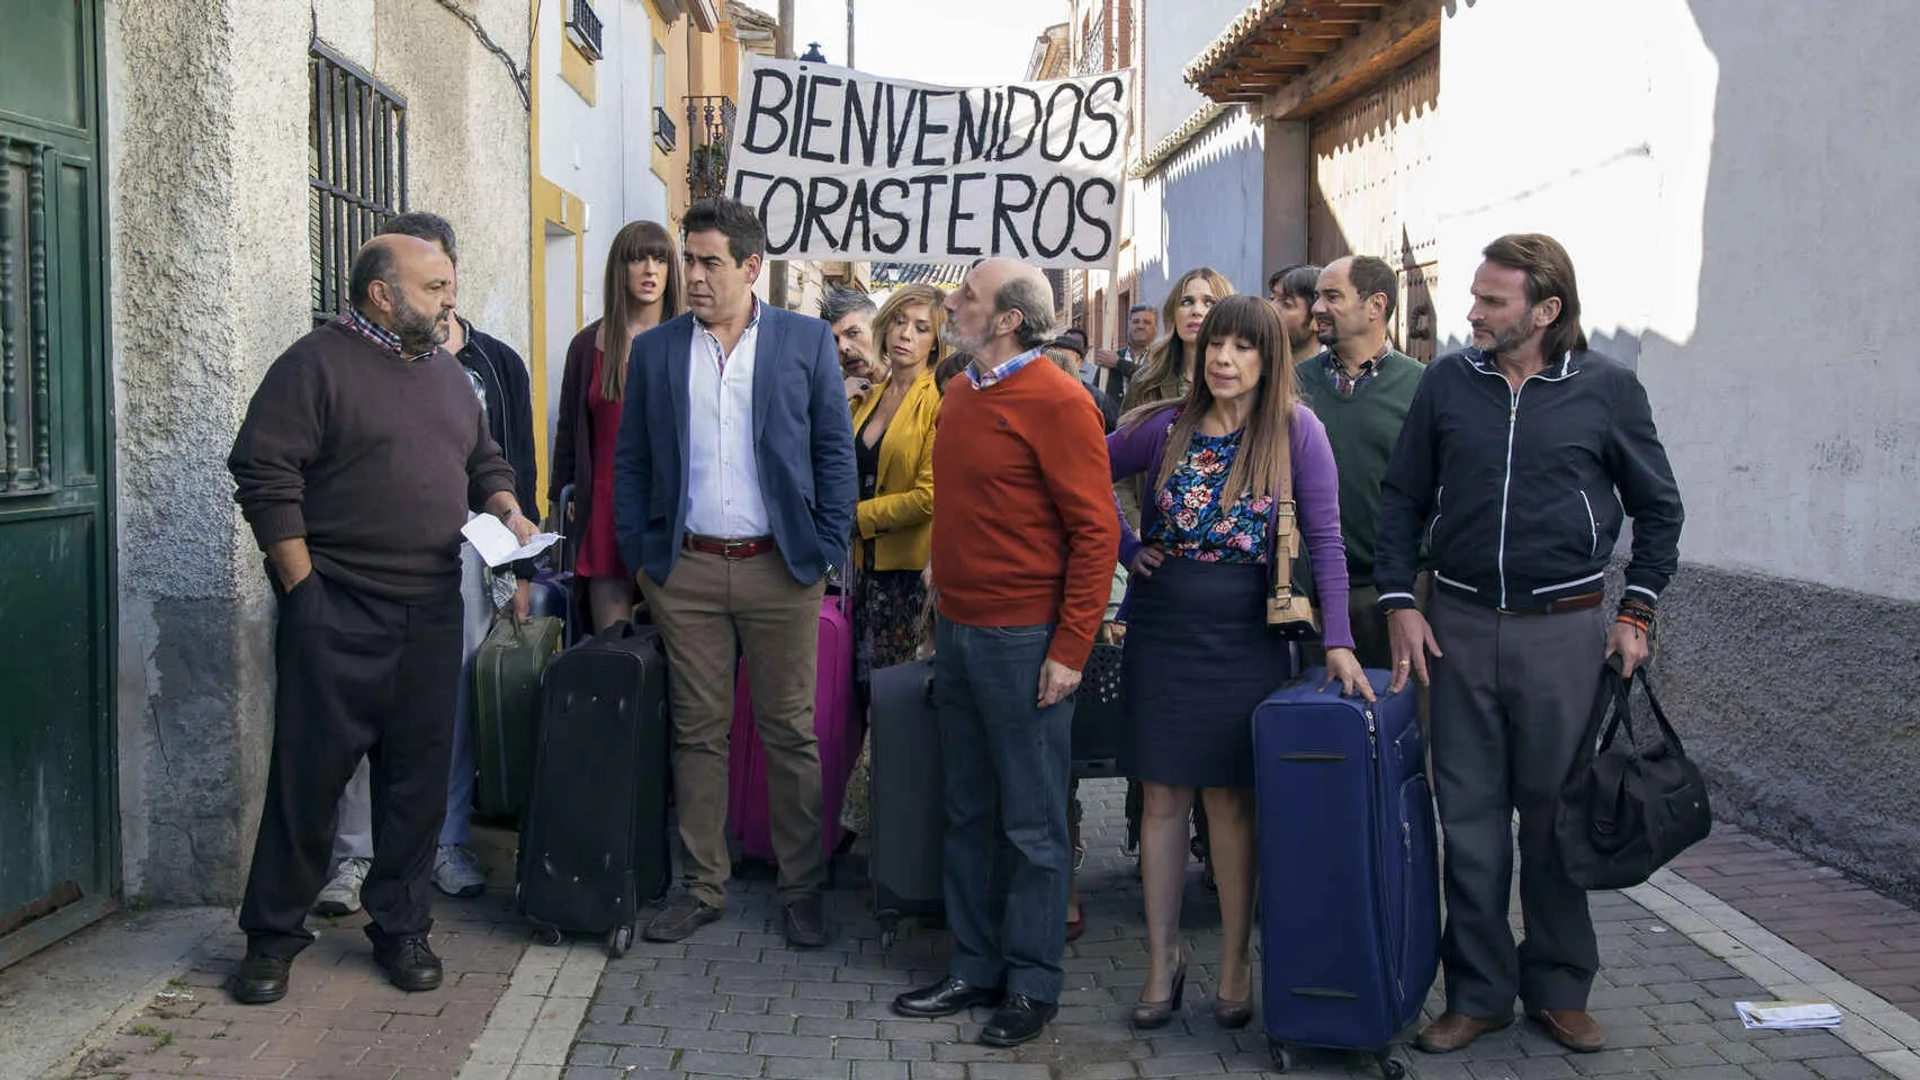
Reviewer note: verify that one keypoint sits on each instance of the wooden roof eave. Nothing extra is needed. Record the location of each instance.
(1275, 41)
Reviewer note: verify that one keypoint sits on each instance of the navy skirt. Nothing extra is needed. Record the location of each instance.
(1198, 659)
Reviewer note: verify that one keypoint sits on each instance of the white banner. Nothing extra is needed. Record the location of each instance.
(840, 164)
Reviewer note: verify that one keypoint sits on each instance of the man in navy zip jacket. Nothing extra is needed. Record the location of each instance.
(1519, 461)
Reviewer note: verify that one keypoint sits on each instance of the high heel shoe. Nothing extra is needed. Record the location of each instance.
(1232, 1015)
(1148, 1015)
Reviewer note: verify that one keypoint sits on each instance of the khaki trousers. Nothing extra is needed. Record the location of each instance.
(708, 608)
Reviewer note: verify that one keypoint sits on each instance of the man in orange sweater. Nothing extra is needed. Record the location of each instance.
(1024, 543)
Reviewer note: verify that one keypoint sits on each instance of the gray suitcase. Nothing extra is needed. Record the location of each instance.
(907, 797)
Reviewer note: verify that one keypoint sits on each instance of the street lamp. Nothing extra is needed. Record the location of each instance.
(813, 55)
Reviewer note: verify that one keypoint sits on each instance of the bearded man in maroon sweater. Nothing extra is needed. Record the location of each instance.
(360, 455)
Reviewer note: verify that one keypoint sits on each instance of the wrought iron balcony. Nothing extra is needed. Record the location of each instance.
(709, 133)
(584, 29)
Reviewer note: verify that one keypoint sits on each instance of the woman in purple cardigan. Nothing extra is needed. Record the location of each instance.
(1199, 654)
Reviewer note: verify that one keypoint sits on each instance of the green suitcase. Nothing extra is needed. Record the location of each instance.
(506, 705)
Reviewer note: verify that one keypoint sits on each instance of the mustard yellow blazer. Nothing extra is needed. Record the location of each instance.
(899, 518)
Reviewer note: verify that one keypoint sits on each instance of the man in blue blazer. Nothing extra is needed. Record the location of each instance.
(734, 487)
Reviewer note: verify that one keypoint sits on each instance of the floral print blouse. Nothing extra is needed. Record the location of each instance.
(1192, 523)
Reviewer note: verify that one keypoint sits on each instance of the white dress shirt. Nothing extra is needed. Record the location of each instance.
(723, 491)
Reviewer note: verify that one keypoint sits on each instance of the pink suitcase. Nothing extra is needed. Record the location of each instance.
(836, 723)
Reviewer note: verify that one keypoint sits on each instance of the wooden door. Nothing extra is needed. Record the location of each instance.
(1371, 189)
(58, 831)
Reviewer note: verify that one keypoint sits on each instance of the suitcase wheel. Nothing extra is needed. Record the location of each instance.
(619, 939)
(889, 927)
(1279, 1055)
(549, 935)
(1390, 1068)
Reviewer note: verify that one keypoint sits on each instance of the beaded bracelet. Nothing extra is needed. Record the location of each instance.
(1636, 613)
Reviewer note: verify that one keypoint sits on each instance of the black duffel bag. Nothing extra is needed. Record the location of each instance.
(1627, 807)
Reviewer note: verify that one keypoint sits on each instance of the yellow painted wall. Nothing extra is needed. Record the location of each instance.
(549, 203)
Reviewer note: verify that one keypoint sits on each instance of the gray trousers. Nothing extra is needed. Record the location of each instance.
(353, 836)
(1510, 704)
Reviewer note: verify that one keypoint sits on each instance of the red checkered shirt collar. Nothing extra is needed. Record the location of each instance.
(378, 334)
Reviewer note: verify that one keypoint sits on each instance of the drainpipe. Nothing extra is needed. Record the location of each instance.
(782, 48)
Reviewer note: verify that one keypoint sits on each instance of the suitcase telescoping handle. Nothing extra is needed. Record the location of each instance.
(563, 555)
(841, 584)
(621, 630)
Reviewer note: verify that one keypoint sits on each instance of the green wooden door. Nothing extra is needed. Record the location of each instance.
(58, 830)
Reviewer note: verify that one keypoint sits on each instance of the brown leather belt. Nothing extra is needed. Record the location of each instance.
(728, 549)
(1554, 607)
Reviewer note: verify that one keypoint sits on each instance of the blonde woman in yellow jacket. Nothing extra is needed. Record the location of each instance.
(893, 426)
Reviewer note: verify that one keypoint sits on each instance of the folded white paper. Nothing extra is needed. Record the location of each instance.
(497, 544)
(1788, 1015)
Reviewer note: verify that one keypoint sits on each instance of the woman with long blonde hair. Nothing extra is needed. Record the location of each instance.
(1167, 371)
(642, 291)
(1200, 655)
(893, 450)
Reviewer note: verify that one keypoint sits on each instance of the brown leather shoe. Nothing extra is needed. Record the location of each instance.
(680, 918)
(1454, 1030)
(1574, 1029)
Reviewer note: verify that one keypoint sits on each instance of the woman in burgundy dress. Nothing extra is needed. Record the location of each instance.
(642, 291)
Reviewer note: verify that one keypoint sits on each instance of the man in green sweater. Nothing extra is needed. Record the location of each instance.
(1360, 387)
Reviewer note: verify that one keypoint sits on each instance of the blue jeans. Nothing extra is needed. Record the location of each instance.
(1009, 864)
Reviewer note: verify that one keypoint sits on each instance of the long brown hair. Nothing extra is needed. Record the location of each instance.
(635, 241)
(904, 297)
(1158, 381)
(1549, 271)
(1256, 467)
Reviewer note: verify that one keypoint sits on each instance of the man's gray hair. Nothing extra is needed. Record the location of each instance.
(842, 302)
(1032, 297)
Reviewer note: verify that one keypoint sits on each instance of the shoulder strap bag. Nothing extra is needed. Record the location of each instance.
(1289, 611)
(1628, 807)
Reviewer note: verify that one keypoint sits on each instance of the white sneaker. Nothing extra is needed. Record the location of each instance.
(342, 894)
(455, 872)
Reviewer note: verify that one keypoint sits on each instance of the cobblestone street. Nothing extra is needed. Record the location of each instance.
(735, 1002)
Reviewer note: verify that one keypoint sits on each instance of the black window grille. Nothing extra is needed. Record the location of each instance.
(665, 134)
(583, 27)
(356, 170)
(1093, 44)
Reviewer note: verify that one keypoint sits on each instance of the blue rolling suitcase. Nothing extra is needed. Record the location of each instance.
(1349, 868)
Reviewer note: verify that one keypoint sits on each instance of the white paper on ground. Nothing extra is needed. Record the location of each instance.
(497, 544)
(1788, 1015)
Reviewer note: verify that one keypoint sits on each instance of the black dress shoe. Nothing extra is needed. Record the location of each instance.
(261, 980)
(410, 964)
(805, 921)
(1020, 1020)
(944, 998)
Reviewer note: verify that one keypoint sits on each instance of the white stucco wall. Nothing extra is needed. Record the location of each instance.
(1176, 31)
(602, 152)
(1733, 181)
(209, 257)
(1203, 208)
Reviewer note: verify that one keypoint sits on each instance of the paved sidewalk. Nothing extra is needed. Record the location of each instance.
(1870, 939)
(734, 1002)
(340, 1020)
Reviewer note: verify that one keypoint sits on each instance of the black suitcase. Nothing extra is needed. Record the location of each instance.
(1098, 722)
(906, 797)
(593, 835)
